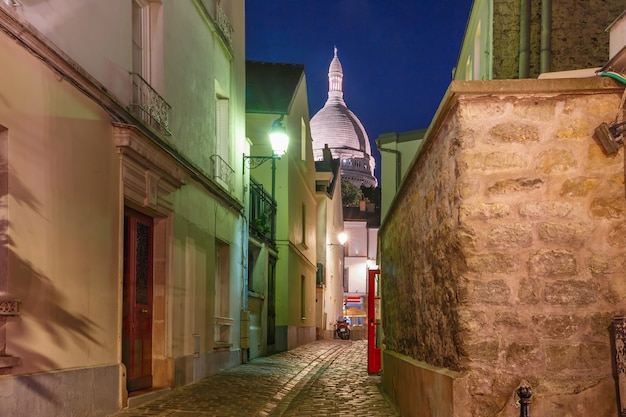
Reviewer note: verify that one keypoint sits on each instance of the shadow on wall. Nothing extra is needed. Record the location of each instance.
(39, 299)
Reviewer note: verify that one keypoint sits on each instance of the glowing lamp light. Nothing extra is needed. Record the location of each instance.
(342, 238)
(278, 137)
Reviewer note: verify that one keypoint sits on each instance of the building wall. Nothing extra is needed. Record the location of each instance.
(76, 160)
(512, 267)
(397, 151)
(491, 45)
(62, 252)
(331, 255)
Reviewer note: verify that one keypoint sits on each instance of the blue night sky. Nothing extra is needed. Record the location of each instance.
(397, 56)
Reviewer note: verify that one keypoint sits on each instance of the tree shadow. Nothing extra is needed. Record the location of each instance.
(40, 299)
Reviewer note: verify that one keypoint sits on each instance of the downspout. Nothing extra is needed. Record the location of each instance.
(398, 155)
(546, 36)
(524, 39)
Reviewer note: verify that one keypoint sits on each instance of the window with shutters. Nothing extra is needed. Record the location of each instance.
(222, 171)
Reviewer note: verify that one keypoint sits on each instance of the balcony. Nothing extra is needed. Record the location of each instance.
(222, 173)
(262, 214)
(149, 106)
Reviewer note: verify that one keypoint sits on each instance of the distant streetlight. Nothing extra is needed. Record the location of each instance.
(279, 141)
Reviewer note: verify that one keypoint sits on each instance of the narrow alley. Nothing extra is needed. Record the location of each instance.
(323, 378)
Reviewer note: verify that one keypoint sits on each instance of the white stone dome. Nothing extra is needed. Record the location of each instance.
(336, 126)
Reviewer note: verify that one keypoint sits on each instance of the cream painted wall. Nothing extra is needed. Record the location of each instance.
(198, 222)
(82, 27)
(330, 254)
(64, 219)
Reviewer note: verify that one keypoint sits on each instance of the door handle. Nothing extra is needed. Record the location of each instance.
(144, 310)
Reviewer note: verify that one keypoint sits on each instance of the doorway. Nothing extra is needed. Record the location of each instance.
(137, 300)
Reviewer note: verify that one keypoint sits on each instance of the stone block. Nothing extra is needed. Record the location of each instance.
(556, 326)
(514, 133)
(571, 234)
(571, 292)
(608, 207)
(517, 235)
(552, 262)
(493, 263)
(495, 292)
(515, 185)
(578, 357)
(574, 129)
(559, 209)
(554, 161)
(535, 109)
(579, 186)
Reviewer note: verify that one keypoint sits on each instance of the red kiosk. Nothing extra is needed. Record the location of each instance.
(374, 332)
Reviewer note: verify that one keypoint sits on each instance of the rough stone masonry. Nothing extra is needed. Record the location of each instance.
(503, 256)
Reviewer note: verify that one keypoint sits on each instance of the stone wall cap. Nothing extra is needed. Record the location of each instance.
(534, 86)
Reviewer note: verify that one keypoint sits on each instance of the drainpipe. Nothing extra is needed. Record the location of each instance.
(524, 39)
(546, 36)
(398, 155)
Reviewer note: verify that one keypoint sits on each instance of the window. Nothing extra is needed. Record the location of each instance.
(141, 23)
(302, 297)
(222, 127)
(222, 279)
(223, 321)
(303, 236)
(476, 68)
(302, 139)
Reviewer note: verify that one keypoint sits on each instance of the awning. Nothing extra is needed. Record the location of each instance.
(354, 312)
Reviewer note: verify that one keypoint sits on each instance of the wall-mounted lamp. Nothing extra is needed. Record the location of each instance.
(610, 137)
(278, 137)
(342, 237)
(279, 141)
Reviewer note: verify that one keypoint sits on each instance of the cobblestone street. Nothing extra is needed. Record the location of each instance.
(323, 378)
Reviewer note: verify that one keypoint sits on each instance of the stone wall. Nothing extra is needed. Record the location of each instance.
(503, 257)
(579, 37)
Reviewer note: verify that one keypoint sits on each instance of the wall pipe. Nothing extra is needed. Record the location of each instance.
(398, 155)
(545, 62)
(524, 39)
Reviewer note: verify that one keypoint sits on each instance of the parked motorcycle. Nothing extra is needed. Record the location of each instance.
(343, 329)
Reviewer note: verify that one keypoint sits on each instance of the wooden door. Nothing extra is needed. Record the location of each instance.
(271, 302)
(137, 313)
(374, 332)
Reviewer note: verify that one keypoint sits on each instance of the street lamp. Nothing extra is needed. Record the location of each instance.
(279, 141)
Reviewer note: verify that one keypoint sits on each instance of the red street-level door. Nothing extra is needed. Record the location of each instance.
(137, 314)
(374, 333)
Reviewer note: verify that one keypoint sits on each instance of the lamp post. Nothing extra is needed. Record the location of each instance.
(279, 141)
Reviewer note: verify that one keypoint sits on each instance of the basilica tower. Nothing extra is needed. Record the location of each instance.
(336, 126)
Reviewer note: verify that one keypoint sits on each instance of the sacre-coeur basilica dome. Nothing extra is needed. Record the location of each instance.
(337, 127)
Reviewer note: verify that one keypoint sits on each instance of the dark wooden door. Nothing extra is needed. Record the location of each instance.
(137, 313)
(271, 302)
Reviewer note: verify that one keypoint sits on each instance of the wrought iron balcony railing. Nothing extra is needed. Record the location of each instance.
(148, 105)
(222, 173)
(262, 214)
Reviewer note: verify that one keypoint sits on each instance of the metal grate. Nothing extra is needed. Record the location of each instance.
(149, 106)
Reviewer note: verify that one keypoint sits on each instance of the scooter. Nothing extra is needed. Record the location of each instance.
(343, 329)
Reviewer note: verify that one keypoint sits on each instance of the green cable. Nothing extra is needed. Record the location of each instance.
(614, 76)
